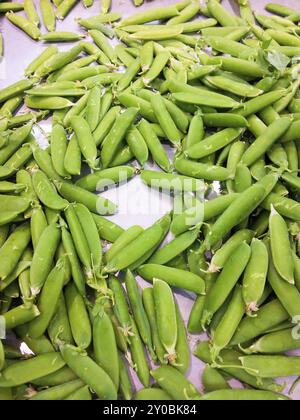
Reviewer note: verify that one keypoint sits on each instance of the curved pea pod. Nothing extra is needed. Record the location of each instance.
(165, 317)
(152, 394)
(221, 256)
(170, 182)
(149, 305)
(271, 366)
(174, 383)
(156, 149)
(89, 372)
(138, 355)
(27, 371)
(270, 315)
(48, 300)
(98, 180)
(174, 248)
(125, 381)
(59, 329)
(46, 192)
(124, 239)
(135, 250)
(213, 143)
(120, 306)
(15, 141)
(137, 145)
(94, 203)
(39, 345)
(280, 247)
(248, 201)
(13, 248)
(78, 317)
(183, 357)
(106, 124)
(44, 162)
(231, 365)
(286, 292)
(243, 179)
(212, 380)
(44, 56)
(226, 281)
(165, 120)
(20, 315)
(12, 207)
(255, 276)
(201, 170)
(174, 277)
(227, 120)
(243, 395)
(275, 342)
(285, 206)
(85, 140)
(59, 392)
(91, 232)
(59, 377)
(76, 270)
(72, 160)
(108, 230)
(50, 102)
(105, 346)
(116, 135)
(227, 326)
(43, 257)
(58, 149)
(138, 311)
(266, 140)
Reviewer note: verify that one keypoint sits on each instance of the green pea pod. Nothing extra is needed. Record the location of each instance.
(224, 332)
(12, 250)
(201, 170)
(89, 372)
(59, 149)
(39, 345)
(20, 315)
(78, 316)
(125, 382)
(72, 159)
(174, 248)
(149, 305)
(26, 371)
(107, 177)
(108, 230)
(94, 203)
(59, 377)
(174, 383)
(280, 247)
(48, 15)
(173, 276)
(268, 317)
(120, 307)
(91, 233)
(93, 108)
(213, 380)
(76, 270)
(231, 272)
(15, 141)
(138, 355)
(182, 362)
(59, 329)
(44, 56)
(232, 358)
(138, 311)
(116, 135)
(11, 207)
(221, 256)
(46, 192)
(43, 257)
(85, 140)
(48, 300)
(58, 392)
(243, 395)
(106, 353)
(64, 8)
(236, 213)
(255, 275)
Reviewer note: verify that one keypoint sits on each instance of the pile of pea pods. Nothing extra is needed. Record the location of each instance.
(221, 90)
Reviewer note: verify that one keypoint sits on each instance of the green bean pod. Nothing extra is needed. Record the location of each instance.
(89, 372)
